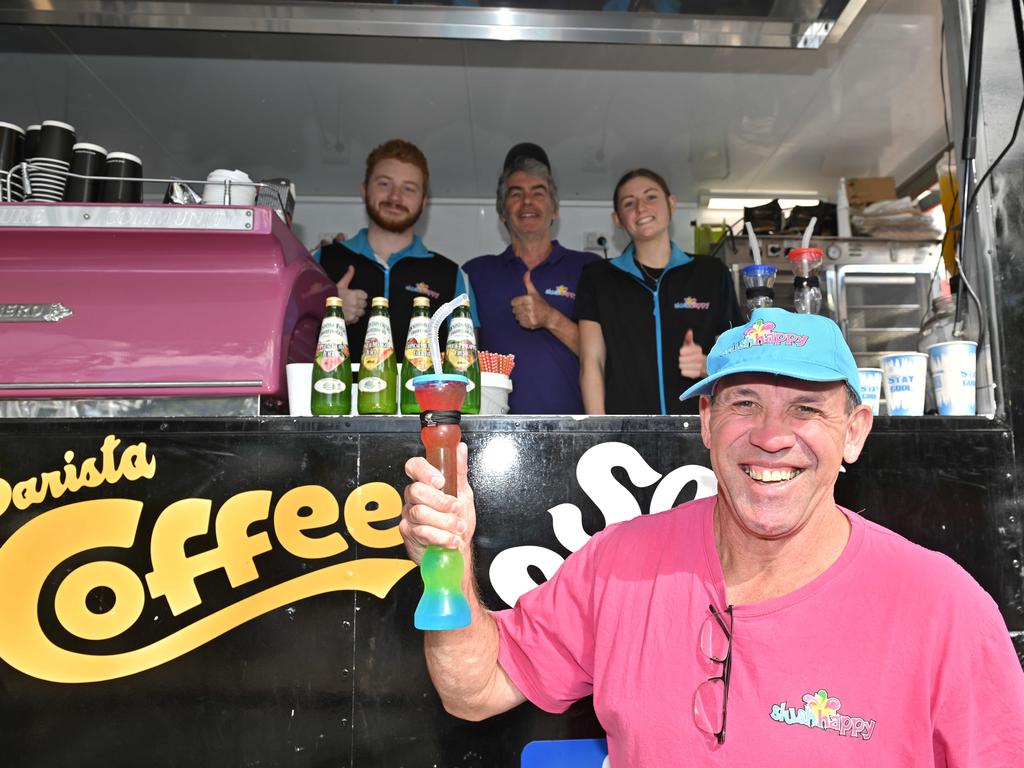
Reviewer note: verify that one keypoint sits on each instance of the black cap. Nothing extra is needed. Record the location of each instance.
(526, 149)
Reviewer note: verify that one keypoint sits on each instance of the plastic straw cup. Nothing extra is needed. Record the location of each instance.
(440, 396)
(300, 385)
(806, 286)
(870, 387)
(758, 280)
(954, 374)
(904, 380)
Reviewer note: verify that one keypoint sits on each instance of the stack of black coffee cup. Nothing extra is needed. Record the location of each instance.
(86, 160)
(122, 185)
(12, 153)
(49, 162)
(43, 163)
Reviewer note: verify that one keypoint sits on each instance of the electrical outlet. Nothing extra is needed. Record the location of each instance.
(591, 241)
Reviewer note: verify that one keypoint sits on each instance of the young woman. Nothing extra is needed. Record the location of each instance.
(648, 317)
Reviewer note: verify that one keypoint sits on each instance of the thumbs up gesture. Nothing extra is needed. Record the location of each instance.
(531, 311)
(692, 361)
(353, 300)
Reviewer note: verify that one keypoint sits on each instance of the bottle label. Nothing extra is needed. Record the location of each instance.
(372, 384)
(417, 344)
(378, 346)
(461, 349)
(332, 344)
(329, 386)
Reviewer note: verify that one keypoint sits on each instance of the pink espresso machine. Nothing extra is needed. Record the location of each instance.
(169, 310)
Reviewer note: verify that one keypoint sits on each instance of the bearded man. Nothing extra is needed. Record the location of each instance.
(386, 258)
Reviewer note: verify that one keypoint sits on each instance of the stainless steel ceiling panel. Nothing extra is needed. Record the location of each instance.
(730, 23)
(311, 108)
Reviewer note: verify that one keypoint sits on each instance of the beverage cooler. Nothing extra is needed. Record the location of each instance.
(878, 291)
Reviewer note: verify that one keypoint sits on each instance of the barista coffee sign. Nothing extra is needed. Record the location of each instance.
(111, 583)
(123, 596)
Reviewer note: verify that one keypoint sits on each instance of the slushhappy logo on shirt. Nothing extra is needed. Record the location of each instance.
(423, 290)
(691, 303)
(822, 711)
(562, 291)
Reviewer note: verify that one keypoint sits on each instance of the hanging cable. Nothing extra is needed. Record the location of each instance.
(1019, 29)
(950, 229)
(1018, 25)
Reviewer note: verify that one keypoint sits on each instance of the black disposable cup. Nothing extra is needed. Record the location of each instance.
(10, 192)
(122, 184)
(46, 182)
(32, 140)
(49, 163)
(12, 145)
(56, 140)
(48, 190)
(45, 170)
(86, 160)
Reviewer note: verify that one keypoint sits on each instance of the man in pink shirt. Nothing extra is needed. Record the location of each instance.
(763, 626)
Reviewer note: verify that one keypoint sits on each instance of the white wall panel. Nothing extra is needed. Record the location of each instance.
(464, 228)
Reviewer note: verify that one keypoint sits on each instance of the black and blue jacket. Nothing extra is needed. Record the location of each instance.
(413, 271)
(644, 327)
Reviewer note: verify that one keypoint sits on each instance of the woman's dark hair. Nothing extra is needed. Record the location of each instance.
(646, 173)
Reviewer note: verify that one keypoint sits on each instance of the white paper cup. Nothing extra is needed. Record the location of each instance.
(870, 387)
(300, 386)
(494, 391)
(216, 191)
(904, 381)
(954, 375)
(354, 410)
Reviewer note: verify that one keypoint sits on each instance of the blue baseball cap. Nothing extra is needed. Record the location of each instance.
(807, 347)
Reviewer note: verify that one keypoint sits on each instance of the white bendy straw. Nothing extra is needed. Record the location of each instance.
(809, 231)
(435, 325)
(755, 249)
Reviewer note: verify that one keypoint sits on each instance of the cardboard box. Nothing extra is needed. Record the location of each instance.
(871, 189)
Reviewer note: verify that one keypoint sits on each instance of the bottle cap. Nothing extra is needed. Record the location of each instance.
(421, 301)
(811, 254)
(379, 301)
(465, 303)
(333, 301)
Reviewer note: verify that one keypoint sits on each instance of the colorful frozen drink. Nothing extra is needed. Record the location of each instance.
(440, 396)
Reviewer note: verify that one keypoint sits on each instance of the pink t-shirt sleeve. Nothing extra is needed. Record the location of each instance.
(979, 711)
(546, 643)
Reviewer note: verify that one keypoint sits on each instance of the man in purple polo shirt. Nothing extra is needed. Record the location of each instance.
(526, 296)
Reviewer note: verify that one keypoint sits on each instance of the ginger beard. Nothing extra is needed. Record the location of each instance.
(384, 213)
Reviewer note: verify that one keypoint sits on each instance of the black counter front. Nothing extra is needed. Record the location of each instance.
(234, 592)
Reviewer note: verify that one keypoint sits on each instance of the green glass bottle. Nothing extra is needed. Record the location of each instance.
(461, 356)
(416, 360)
(378, 369)
(332, 369)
